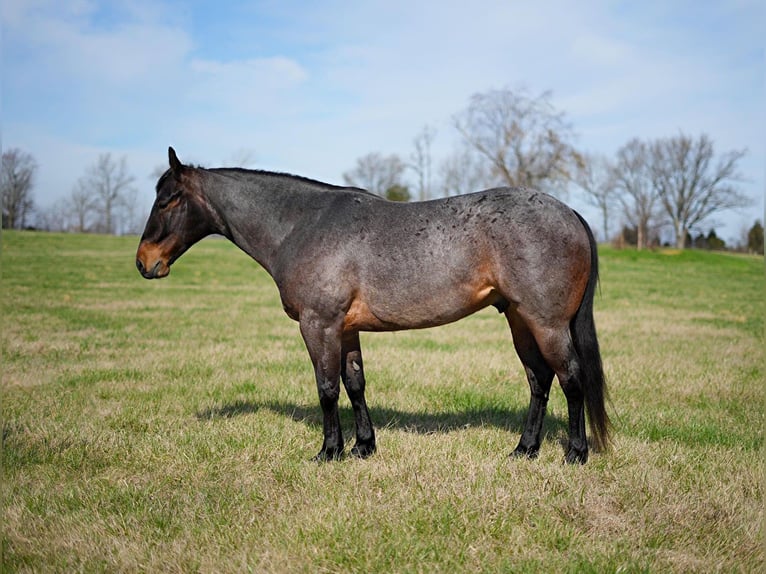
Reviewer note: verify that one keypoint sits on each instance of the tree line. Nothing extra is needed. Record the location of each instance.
(103, 200)
(677, 183)
(507, 137)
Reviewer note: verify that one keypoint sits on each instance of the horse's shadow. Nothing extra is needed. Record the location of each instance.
(417, 422)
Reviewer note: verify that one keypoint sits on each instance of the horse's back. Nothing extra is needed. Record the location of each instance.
(429, 263)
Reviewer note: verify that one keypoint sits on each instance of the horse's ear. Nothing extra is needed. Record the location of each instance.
(175, 163)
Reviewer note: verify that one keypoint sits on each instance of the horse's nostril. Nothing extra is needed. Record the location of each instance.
(140, 266)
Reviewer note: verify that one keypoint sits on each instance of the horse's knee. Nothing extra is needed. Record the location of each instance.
(329, 392)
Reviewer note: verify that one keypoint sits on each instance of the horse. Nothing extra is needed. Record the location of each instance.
(346, 260)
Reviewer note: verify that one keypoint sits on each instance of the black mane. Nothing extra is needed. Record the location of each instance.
(234, 171)
(237, 172)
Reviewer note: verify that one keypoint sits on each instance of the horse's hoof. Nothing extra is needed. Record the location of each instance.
(329, 454)
(363, 450)
(576, 456)
(525, 452)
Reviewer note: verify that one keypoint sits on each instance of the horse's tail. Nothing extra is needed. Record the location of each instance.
(583, 330)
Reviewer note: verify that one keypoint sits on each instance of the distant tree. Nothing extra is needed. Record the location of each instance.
(50, 217)
(132, 219)
(16, 182)
(637, 195)
(628, 236)
(595, 177)
(690, 184)
(714, 242)
(81, 207)
(755, 238)
(700, 241)
(376, 173)
(523, 138)
(398, 193)
(110, 186)
(421, 161)
(462, 172)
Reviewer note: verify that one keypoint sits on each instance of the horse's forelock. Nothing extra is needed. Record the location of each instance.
(163, 178)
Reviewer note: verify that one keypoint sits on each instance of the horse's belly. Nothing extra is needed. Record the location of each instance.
(416, 310)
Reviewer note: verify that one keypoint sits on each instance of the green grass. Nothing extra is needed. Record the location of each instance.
(169, 426)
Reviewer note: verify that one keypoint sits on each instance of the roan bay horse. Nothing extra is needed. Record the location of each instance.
(347, 261)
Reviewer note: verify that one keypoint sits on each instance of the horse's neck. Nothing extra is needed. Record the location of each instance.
(257, 215)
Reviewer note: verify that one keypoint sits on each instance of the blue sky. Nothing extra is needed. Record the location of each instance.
(308, 87)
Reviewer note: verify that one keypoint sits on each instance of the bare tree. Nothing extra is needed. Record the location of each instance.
(690, 184)
(16, 181)
(595, 177)
(632, 178)
(421, 161)
(52, 217)
(80, 206)
(376, 173)
(109, 184)
(524, 139)
(462, 172)
(132, 215)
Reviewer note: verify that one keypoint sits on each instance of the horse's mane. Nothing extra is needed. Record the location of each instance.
(240, 171)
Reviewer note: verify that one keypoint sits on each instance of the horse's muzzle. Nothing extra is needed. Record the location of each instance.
(157, 271)
(150, 263)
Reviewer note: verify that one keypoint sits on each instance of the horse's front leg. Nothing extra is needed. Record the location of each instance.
(352, 374)
(323, 341)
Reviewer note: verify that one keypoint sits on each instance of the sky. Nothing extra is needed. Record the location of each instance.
(308, 87)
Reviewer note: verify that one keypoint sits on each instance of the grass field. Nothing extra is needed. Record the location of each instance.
(169, 426)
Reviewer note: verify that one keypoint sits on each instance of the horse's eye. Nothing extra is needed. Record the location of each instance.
(166, 199)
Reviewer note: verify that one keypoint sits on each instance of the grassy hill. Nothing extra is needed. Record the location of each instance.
(169, 426)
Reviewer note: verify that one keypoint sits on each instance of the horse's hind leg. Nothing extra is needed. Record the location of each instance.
(559, 352)
(539, 376)
(352, 373)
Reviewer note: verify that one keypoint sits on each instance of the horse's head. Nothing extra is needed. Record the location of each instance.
(179, 218)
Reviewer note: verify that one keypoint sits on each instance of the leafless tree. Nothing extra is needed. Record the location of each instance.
(109, 184)
(523, 138)
(595, 177)
(80, 207)
(16, 181)
(52, 217)
(421, 160)
(462, 172)
(376, 173)
(637, 195)
(132, 217)
(691, 184)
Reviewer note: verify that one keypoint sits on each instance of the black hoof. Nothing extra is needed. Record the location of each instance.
(525, 452)
(363, 450)
(329, 454)
(574, 456)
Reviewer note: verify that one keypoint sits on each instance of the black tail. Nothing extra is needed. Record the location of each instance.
(583, 330)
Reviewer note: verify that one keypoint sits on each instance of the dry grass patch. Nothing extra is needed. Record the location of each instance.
(169, 426)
